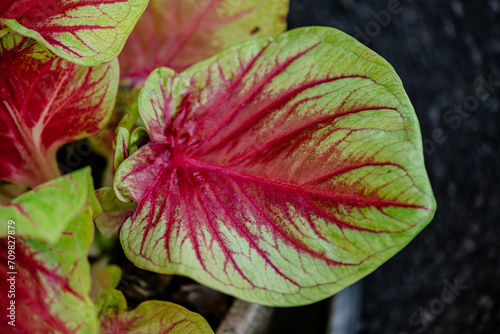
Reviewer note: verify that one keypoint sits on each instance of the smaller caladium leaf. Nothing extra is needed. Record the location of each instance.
(86, 32)
(46, 211)
(52, 281)
(178, 34)
(150, 317)
(279, 171)
(104, 276)
(114, 212)
(46, 102)
(110, 303)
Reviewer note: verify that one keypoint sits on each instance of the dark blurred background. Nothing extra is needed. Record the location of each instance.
(447, 280)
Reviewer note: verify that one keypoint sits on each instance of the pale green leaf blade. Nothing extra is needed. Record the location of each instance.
(46, 211)
(52, 281)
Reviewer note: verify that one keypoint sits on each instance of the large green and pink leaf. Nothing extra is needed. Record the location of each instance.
(45, 102)
(87, 32)
(45, 212)
(52, 281)
(280, 171)
(178, 34)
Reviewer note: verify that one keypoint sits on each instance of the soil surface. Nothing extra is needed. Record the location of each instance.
(447, 280)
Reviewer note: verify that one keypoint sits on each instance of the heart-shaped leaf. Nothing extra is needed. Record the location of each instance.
(280, 171)
(46, 211)
(45, 102)
(178, 34)
(50, 282)
(86, 32)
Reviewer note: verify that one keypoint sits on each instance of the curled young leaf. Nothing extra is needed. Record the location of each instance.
(121, 146)
(178, 34)
(279, 171)
(46, 102)
(127, 144)
(51, 282)
(138, 139)
(86, 32)
(104, 276)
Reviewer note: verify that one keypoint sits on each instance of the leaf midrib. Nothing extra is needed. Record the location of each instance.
(190, 162)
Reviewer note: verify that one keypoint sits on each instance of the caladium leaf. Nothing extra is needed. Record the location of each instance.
(109, 303)
(152, 317)
(104, 276)
(46, 102)
(52, 282)
(115, 212)
(86, 32)
(178, 34)
(46, 211)
(279, 171)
